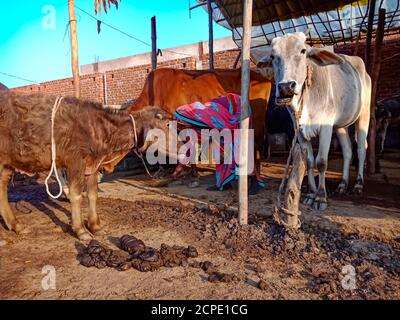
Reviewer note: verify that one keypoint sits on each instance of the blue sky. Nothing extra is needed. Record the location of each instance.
(29, 51)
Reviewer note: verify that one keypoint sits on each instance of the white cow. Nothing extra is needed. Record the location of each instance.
(333, 91)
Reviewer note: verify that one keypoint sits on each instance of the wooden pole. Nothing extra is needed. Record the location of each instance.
(372, 5)
(210, 35)
(287, 212)
(74, 48)
(153, 43)
(376, 69)
(245, 112)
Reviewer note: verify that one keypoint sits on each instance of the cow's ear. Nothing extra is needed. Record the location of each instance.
(261, 56)
(324, 57)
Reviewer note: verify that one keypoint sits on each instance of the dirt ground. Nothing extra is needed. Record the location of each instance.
(313, 263)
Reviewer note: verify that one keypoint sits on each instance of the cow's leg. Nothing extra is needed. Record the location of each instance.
(5, 210)
(254, 187)
(362, 125)
(76, 182)
(312, 188)
(93, 218)
(325, 136)
(380, 145)
(195, 181)
(63, 180)
(345, 143)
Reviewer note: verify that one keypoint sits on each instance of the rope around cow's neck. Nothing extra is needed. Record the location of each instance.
(134, 129)
(53, 153)
(139, 154)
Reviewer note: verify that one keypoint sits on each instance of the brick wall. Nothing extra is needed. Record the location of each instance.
(91, 87)
(126, 84)
(222, 60)
(389, 80)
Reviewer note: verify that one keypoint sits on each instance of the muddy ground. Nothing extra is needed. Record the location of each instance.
(361, 233)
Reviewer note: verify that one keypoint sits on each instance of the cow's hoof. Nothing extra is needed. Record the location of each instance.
(18, 228)
(160, 173)
(83, 235)
(358, 189)
(96, 229)
(320, 204)
(194, 184)
(309, 199)
(341, 189)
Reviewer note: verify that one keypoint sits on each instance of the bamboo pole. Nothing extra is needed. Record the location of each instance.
(210, 35)
(375, 71)
(153, 43)
(74, 48)
(245, 113)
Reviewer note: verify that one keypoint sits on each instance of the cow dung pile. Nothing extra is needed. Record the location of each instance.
(137, 255)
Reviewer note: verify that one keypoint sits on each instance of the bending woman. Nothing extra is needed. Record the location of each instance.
(221, 113)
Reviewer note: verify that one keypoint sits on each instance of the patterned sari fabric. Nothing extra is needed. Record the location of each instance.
(222, 113)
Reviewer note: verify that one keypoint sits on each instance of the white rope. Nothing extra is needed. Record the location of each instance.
(134, 129)
(53, 153)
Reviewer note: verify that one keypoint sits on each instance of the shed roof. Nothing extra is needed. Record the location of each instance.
(2, 87)
(266, 11)
(329, 22)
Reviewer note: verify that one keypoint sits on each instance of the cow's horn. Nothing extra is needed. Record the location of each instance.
(159, 116)
(307, 32)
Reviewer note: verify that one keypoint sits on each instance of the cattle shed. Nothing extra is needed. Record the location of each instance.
(254, 23)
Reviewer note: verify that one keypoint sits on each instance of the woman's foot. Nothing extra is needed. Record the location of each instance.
(228, 186)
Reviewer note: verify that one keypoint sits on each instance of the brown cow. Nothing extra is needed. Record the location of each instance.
(170, 88)
(87, 137)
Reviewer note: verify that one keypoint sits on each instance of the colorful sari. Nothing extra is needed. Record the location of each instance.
(221, 113)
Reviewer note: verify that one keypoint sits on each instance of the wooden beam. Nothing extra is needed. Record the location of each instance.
(372, 5)
(245, 113)
(376, 69)
(210, 34)
(74, 48)
(153, 43)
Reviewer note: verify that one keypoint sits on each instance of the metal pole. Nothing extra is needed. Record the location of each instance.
(153, 44)
(210, 35)
(245, 113)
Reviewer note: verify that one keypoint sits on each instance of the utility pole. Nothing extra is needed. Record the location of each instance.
(210, 34)
(153, 43)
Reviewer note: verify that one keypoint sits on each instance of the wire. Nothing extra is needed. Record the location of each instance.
(129, 35)
(114, 28)
(16, 77)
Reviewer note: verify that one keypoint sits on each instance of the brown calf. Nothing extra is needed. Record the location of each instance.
(87, 137)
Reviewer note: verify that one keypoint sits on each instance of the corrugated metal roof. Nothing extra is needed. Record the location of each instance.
(329, 22)
(267, 11)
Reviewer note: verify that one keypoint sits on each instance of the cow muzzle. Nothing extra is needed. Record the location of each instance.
(286, 91)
